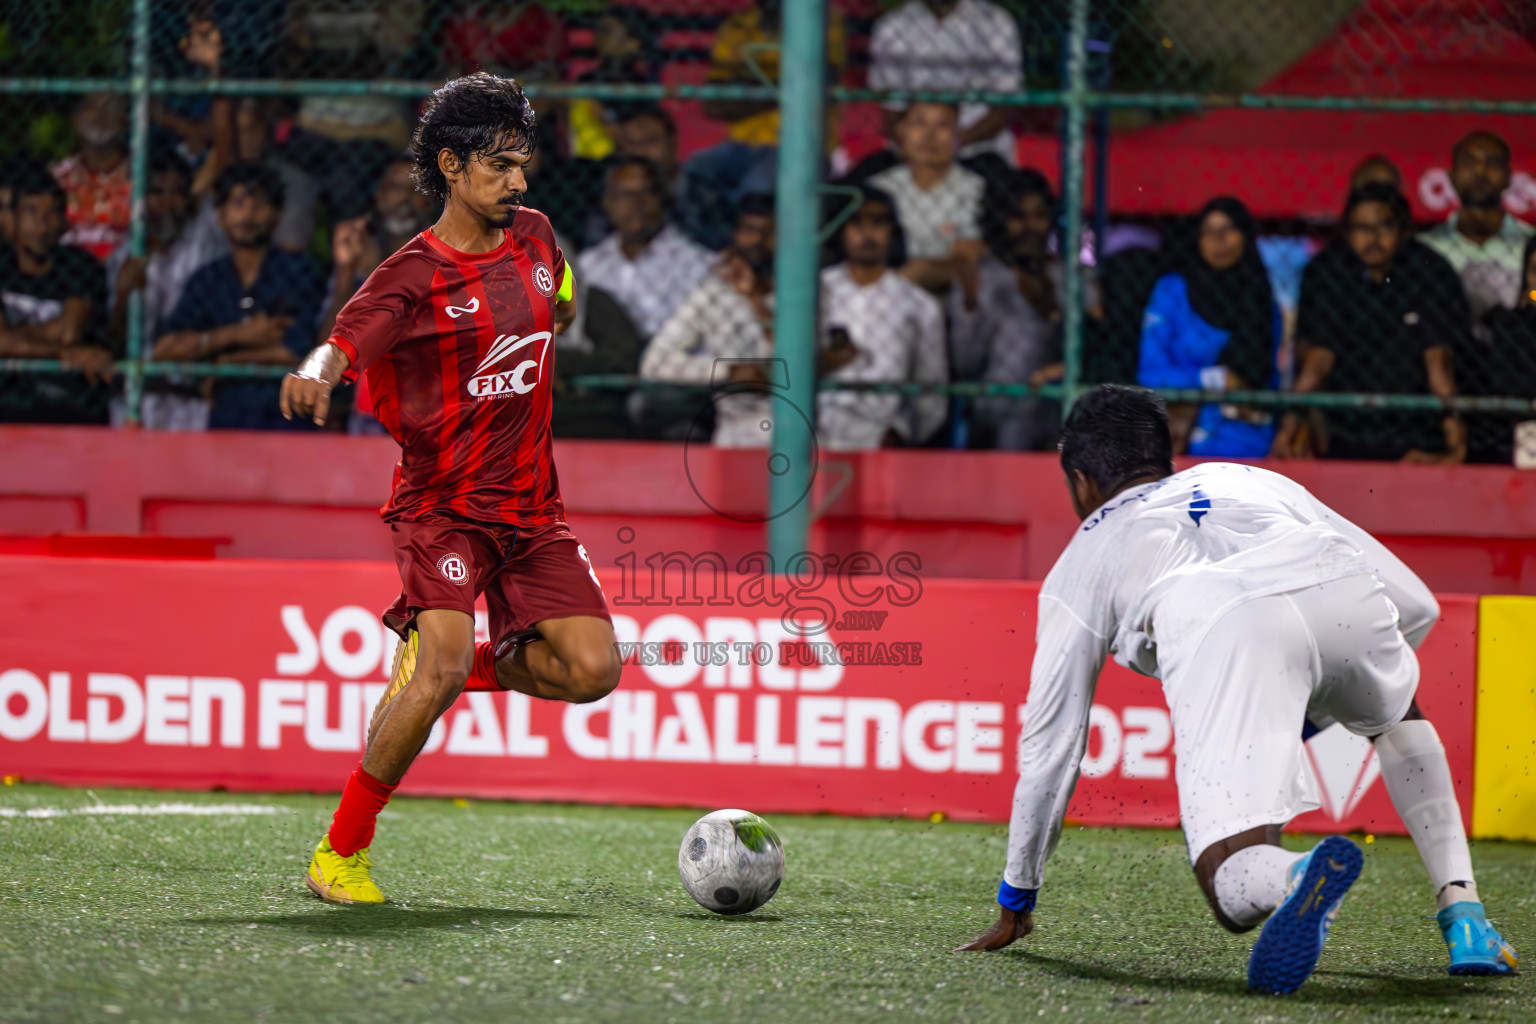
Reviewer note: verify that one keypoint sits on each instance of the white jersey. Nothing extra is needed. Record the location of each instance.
(1144, 579)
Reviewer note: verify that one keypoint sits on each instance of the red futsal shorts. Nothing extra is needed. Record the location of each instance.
(528, 574)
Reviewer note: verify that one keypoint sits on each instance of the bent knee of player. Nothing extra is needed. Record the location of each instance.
(594, 673)
(445, 676)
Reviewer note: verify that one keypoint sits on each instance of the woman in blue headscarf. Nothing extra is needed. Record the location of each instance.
(1213, 323)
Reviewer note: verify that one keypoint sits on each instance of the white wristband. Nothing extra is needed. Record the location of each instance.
(315, 365)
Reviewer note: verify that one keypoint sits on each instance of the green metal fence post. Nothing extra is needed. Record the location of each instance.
(802, 70)
(1075, 102)
(138, 148)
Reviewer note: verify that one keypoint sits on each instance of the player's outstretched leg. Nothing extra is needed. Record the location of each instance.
(1291, 941)
(430, 672)
(1418, 778)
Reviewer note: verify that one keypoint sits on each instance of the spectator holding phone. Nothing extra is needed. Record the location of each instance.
(256, 305)
(877, 327)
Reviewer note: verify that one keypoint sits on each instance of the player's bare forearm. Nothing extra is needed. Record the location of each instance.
(1009, 928)
(307, 390)
(565, 315)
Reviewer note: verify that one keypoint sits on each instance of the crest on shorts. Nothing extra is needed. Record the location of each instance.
(454, 569)
(543, 280)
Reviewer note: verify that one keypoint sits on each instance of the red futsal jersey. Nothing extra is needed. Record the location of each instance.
(458, 352)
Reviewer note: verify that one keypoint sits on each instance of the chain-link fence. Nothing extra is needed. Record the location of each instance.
(1274, 209)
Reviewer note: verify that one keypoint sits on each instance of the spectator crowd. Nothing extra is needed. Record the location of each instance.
(942, 259)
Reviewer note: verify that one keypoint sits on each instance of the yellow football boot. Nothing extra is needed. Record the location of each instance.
(339, 879)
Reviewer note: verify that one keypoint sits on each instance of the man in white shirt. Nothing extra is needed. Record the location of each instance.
(722, 334)
(877, 326)
(953, 44)
(938, 202)
(647, 264)
(181, 237)
(1482, 242)
(1261, 610)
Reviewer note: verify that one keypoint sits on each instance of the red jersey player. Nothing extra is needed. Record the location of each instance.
(455, 336)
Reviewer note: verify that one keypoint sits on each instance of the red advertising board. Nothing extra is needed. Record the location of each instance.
(260, 675)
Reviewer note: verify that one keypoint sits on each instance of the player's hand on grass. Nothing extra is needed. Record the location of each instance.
(1009, 927)
(307, 390)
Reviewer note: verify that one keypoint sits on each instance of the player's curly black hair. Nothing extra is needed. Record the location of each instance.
(1117, 433)
(476, 114)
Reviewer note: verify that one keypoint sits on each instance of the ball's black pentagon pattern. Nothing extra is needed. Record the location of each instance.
(731, 862)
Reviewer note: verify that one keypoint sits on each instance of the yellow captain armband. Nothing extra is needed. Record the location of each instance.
(567, 285)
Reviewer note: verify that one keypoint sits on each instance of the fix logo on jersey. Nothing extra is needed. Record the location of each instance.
(471, 308)
(514, 381)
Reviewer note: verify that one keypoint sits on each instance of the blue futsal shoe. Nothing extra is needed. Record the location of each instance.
(1476, 947)
(1292, 939)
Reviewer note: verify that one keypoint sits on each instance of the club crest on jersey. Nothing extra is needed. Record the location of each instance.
(453, 569)
(520, 379)
(543, 280)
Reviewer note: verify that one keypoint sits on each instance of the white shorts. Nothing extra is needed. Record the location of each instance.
(1331, 653)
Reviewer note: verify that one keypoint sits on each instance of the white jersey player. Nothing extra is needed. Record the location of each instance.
(1260, 609)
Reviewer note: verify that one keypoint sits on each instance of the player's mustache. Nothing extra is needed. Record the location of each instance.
(516, 199)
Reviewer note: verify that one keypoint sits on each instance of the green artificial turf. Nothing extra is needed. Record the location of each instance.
(518, 912)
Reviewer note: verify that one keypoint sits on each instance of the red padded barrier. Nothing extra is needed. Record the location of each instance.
(992, 515)
(261, 675)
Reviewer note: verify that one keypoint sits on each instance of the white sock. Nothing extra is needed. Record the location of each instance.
(1418, 778)
(1251, 883)
(1456, 892)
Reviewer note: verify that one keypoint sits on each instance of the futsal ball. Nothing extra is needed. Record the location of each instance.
(731, 862)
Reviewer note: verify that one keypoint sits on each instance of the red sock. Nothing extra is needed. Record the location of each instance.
(358, 812)
(483, 676)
